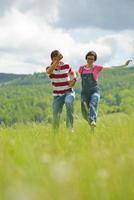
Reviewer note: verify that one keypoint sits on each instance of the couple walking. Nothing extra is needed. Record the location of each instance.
(63, 80)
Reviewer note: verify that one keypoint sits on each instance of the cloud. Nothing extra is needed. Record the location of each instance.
(47, 10)
(105, 14)
(5, 6)
(27, 39)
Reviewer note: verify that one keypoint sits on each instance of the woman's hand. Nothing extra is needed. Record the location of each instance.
(127, 62)
(72, 82)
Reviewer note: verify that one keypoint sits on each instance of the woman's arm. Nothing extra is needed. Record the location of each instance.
(119, 66)
(73, 77)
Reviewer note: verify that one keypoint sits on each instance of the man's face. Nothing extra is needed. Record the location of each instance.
(59, 56)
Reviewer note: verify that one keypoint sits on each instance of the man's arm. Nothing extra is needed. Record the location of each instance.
(119, 66)
(52, 67)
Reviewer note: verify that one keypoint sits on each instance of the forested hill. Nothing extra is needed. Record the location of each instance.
(27, 98)
(9, 77)
(117, 78)
(23, 79)
(108, 78)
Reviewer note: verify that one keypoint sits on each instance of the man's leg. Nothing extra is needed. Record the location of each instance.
(69, 100)
(58, 103)
(94, 103)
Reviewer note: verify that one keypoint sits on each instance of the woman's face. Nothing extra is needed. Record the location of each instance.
(90, 59)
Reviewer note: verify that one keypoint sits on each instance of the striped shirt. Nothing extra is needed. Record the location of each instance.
(60, 79)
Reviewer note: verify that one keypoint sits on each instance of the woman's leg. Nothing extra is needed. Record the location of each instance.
(94, 104)
(84, 106)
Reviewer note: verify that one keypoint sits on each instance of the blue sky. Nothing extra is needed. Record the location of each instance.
(30, 30)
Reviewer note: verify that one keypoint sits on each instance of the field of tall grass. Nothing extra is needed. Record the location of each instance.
(35, 164)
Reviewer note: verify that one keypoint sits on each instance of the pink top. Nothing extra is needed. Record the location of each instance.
(95, 70)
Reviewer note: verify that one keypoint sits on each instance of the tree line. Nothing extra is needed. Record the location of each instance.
(28, 98)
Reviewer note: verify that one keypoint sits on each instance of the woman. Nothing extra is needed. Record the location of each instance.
(90, 94)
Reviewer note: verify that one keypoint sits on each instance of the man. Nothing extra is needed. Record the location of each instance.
(63, 79)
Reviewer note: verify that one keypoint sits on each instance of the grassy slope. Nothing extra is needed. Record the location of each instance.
(36, 165)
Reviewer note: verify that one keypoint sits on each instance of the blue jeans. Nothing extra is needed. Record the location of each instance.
(58, 102)
(89, 106)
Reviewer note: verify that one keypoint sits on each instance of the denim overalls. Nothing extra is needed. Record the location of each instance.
(90, 96)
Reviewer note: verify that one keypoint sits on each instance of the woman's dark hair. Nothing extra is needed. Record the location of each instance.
(54, 53)
(91, 53)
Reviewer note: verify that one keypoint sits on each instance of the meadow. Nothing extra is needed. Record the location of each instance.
(36, 164)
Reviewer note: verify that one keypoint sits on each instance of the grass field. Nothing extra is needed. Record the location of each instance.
(37, 165)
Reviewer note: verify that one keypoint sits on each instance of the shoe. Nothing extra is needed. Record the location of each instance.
(93, 124)
(72, 130)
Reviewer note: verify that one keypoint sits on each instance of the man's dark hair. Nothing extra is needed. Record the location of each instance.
(91, 53)
(54, 53)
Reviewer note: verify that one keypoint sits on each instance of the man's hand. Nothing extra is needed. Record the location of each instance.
(127, 62)
(59, 57)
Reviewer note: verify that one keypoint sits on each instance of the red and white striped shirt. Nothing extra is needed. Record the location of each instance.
(60, 79)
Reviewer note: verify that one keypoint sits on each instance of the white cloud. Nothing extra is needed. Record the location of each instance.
(26, 41)
(11, 64)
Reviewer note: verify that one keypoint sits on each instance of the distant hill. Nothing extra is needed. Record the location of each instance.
(117, 78)
(108, 79)
(4, 77)
(23, 79)
(28, 98)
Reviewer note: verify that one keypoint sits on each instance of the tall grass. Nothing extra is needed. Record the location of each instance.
(35, 164)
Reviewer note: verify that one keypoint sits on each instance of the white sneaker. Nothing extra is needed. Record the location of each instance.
(72, 130)
(93, 124)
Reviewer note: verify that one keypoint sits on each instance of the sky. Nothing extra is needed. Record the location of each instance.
(30, 30)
